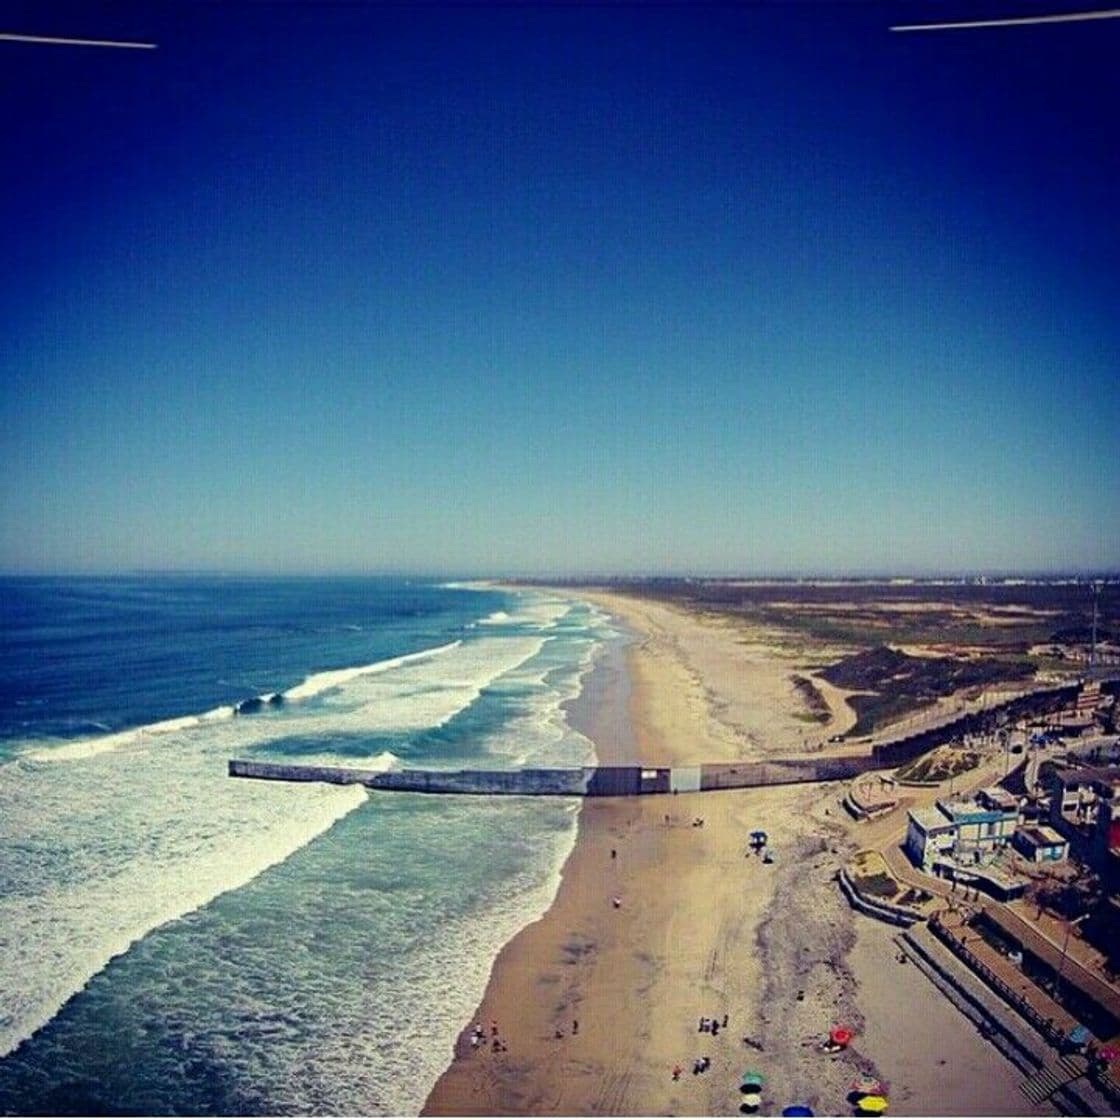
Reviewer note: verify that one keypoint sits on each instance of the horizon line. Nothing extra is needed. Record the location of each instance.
(1085, 575)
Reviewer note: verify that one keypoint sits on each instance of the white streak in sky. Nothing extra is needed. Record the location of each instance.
(1067, 17)
(52, 41)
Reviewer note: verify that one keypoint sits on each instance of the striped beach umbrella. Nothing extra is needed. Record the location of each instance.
(865, 1083)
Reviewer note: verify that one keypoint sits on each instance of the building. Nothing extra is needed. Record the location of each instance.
(1041, 844)
(929, 834)
(1106, 853)
(968, 832)
(1078, 792)
(982, 827)
(1073, 798)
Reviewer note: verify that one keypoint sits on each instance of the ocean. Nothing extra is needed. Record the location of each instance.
(175, 941)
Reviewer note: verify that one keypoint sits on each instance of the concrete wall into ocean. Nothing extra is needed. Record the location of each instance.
(625, 781)
(588, 781)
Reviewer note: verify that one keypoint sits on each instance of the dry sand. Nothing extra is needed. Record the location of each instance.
(704, 929)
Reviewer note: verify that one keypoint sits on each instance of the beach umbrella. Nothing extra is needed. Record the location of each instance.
(758, 836)
(841, 1036)
(1108, 1053)
(875, 1105)
(867, 1084)
(1079, 1034)
(752, 1078)
(798, 1110)
(752, 1100)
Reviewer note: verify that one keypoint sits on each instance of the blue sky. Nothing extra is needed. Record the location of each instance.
(757, 288)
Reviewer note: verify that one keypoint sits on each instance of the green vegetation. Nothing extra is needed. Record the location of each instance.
(880, 885)
(816, 707)
(893, 684)
(938, 764)
(995, 616)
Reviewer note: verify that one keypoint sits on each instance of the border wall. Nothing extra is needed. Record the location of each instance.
(627, 781)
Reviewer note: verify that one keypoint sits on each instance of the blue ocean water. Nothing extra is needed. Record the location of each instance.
(174, 941)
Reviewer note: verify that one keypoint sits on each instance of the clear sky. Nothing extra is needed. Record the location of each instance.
(748, 288)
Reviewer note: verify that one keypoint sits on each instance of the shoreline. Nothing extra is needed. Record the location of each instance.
(601, 712)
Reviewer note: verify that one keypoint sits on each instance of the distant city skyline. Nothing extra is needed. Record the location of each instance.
(753, 290)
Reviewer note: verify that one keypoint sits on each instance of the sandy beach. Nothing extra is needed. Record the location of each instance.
(704, 928)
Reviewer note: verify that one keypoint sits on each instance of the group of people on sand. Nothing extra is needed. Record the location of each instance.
(478, 1038)
(712, 1025)
(708, 1025)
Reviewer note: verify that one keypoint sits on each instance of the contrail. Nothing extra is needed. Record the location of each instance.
(76, 42)
(1067, 17)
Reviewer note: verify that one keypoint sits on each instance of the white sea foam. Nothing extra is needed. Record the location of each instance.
(334, 678)
(496, 619)
(314, 685)
(71, 902)
(87, 748)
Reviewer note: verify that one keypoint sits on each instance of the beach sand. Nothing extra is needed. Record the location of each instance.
(704, 928)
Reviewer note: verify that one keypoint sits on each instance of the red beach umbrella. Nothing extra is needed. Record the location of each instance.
(841, 1036)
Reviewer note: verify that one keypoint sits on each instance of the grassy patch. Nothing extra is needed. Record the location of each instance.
(816, 707)
(881, 885)
(937, 765)
(893, 684)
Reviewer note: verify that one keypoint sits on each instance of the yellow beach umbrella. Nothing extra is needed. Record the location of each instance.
(876, 1105)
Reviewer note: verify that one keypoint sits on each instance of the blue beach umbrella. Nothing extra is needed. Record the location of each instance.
(1079, 1034)
(797, 1110)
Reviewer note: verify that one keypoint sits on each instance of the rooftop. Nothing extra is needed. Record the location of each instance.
(1042, 836)
(930, 817)
(1067, 773)
(1000, 797)
(969, 811)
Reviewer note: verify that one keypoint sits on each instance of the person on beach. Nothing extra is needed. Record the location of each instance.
(575, 1026)
(724, 1023)
(616, 902)
(676, 1073)
(705, 1023)
(715, 1027)
(494, 1027)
